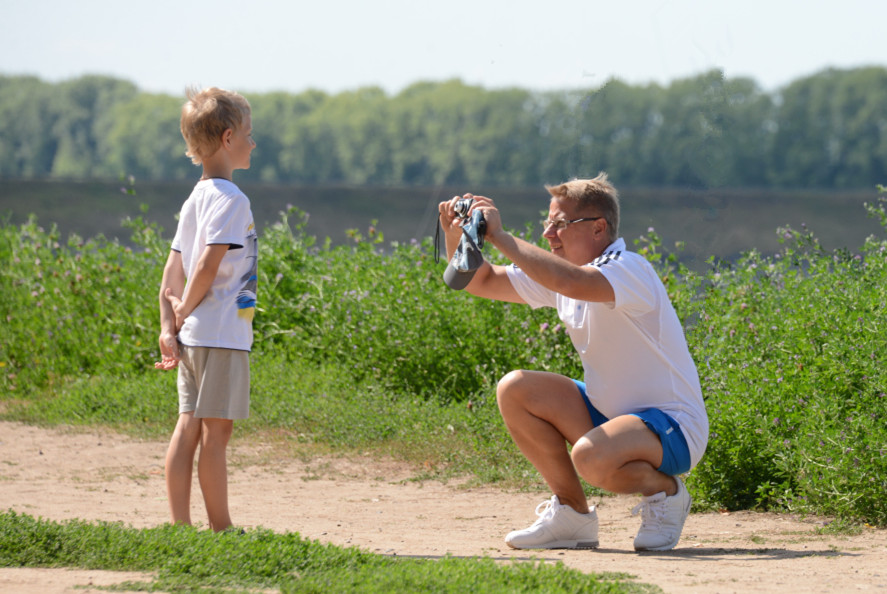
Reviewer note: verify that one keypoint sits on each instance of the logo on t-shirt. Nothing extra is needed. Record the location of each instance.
(606, 258)
(246, 298)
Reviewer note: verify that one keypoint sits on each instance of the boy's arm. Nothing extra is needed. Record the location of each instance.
(173, 282)
(199, 283)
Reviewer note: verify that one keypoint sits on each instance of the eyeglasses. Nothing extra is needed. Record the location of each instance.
(561, 224)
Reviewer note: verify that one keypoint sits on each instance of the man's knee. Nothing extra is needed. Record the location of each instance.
(509, 387)
(589, 462)
(510, 380)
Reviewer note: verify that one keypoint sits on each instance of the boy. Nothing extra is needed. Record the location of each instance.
(206, 325)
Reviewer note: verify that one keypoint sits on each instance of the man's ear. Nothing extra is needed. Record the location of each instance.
(600, 226)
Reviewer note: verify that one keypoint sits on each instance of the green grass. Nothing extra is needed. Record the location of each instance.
(183, 559)
(362, 347)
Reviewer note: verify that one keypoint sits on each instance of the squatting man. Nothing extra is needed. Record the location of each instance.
(636, 420)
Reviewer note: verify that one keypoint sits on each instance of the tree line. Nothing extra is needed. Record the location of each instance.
(827, 130)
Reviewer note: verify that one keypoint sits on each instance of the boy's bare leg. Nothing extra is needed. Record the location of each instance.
(212, 470)
(180, 467)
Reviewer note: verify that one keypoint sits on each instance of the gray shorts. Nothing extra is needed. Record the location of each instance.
(213, 383)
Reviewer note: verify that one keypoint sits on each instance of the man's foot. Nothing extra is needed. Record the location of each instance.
(558, 527)
(662, 519)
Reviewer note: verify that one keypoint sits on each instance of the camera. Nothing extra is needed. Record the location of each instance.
(468, 257)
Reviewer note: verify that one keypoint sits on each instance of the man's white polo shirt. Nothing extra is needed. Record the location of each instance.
(633, 350)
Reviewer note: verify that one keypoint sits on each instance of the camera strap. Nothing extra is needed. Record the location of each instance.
(437, 243)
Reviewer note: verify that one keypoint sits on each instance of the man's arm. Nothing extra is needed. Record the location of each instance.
(585, 283)
(489, 281)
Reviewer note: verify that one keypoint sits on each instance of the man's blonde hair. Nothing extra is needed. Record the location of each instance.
(596, 194)
(206, 115)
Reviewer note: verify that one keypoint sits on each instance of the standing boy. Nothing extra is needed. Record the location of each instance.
(206, 324)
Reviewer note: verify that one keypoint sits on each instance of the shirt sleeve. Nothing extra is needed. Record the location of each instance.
(226, 226)
(177, 238)
(534, 294)
(633, 281)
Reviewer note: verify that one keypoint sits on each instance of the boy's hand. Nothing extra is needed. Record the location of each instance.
(169, 352)
(178, 307)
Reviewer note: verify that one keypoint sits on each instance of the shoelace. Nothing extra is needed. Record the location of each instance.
(651, 513)
(545, 511)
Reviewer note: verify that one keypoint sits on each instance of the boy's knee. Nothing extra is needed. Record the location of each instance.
(217, 429)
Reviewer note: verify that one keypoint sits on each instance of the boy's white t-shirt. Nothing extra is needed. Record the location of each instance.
(217, 212)
(633, 350)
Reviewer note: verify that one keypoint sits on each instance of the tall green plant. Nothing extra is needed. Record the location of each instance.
(791, 354)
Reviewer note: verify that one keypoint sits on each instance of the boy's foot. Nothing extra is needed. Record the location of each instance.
(662, 519)
(558, 527)
(234, 530)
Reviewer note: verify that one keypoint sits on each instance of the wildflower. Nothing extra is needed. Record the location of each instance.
(543, 327)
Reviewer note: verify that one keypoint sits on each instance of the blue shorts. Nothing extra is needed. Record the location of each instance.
(675, 453)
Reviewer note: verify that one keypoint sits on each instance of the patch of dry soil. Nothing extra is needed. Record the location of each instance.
(61, 474)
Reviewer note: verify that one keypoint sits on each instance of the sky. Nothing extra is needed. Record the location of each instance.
(258, 46)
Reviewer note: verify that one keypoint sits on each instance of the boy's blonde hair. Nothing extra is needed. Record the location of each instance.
(596, 194)
(206, 115)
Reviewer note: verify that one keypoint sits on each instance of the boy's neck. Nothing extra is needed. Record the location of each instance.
(218, 167)
(216, 174)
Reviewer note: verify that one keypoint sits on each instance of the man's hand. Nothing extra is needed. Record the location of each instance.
(491, 215)
(449, 220)
(169, 352)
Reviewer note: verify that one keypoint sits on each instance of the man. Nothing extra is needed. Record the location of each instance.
(638, 419)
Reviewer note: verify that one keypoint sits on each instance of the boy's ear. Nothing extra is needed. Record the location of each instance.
(226, 137)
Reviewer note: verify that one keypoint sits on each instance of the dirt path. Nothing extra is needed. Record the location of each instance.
(58, 475)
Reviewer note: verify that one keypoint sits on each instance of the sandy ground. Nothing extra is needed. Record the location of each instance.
(62, 474)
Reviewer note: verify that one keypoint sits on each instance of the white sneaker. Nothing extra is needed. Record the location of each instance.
(558, 527)
(662, 519)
